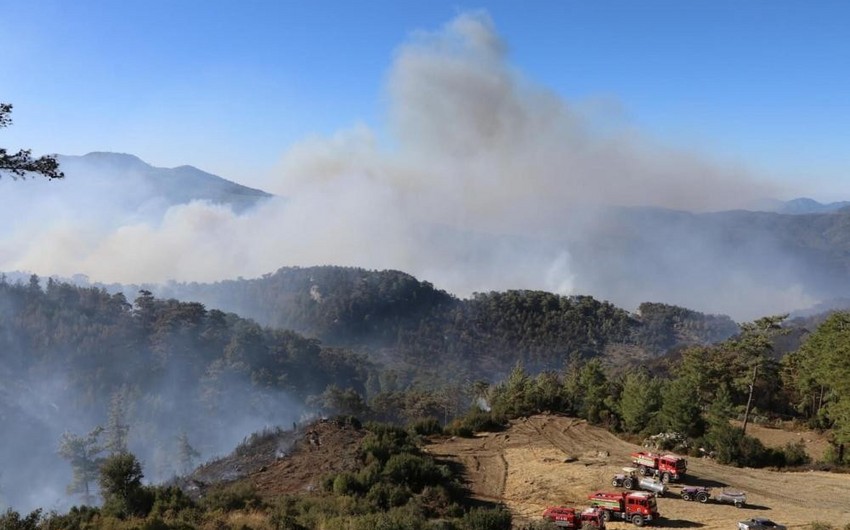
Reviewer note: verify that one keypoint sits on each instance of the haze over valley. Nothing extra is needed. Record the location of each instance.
(456, 221)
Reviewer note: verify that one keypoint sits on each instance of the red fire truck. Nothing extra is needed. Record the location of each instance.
(639, 507)
(668, 467)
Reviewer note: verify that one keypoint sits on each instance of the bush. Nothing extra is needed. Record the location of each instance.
(345, 484)
(414, 471)
(427, 427)
(229, 498)
(830, 456)
(384, 441)
(795, 454)
(732, 446)
(486, 519)
(12, 520)
(474, 421)
(77, 518)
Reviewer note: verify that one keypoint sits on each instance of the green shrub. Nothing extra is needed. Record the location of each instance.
(12, 520)
(414, 471)
(795, 454)
(476, 420)
(345, 484)
(486, 519)
(229, 498)
(77, 518)
(384, 441)
(427, 427)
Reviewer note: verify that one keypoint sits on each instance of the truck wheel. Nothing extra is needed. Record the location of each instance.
(628, 483)
(615, 483)
(739, 504)
(606, 515)
(643, 471)
(637, 519)
(702, 497)
(686, 496)
(665, 478)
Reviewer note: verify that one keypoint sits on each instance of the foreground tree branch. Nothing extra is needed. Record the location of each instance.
(22, 163)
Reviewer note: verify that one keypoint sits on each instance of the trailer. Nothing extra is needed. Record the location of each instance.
(738, 498)
(629, 479)
(573, 519)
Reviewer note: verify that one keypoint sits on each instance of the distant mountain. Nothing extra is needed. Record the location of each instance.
(155, 185)
(805, 206)
(733, 262)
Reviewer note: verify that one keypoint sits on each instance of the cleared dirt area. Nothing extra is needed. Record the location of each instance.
(816, 443)
(546, 459)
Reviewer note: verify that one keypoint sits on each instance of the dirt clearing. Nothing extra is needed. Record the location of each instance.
(545, 460)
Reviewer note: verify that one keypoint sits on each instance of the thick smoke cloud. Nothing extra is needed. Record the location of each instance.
(480, 181)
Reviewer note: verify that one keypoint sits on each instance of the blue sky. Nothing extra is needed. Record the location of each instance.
(230, 86)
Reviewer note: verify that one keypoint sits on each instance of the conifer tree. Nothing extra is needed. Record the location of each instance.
(22, 163)
(83, 453)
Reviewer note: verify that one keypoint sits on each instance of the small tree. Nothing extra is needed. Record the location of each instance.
(83, 452)
(639, 401)
(22, 163)
(121, 486)
(680, 410)
(186, 454)
(118, 429)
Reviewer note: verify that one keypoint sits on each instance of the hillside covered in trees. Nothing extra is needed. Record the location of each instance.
(406, 319)
(177, 382)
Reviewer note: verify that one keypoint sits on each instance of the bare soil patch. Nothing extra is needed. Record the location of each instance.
(548, 459)
(779, 437)
(284, 462)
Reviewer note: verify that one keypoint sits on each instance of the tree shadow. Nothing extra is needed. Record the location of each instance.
(679, 523)
(703, 482)
(754, 507)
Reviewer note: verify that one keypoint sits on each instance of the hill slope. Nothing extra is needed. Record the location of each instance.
(526, 467)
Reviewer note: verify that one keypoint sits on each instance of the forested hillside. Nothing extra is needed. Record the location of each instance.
(88, 373)
(407, 319)
(74, 358)
(164, 371)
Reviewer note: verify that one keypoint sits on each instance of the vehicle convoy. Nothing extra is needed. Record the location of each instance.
(566, 517)
(630, 480)
(760, 523)
(639, 507)
(668, 467)
(738, 498)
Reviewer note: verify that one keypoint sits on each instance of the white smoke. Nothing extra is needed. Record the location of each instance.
(481, 182)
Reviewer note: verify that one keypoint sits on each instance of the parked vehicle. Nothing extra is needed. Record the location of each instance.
(639, 507)
(566, 517)
(668, 467)
(738, 498)
(696, 493)
(760, 523)
(629, 479)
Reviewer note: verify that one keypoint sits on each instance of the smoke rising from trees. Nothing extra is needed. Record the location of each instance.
(480, 181)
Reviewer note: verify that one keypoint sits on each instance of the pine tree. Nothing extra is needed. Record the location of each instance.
(83, 452)
(22, 163)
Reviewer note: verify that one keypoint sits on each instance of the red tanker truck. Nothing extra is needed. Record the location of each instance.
(639, 507)
(668, 467)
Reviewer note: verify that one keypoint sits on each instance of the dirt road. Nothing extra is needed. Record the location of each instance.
(545, 460)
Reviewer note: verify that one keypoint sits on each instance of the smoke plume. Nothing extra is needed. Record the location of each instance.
(481, 180)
